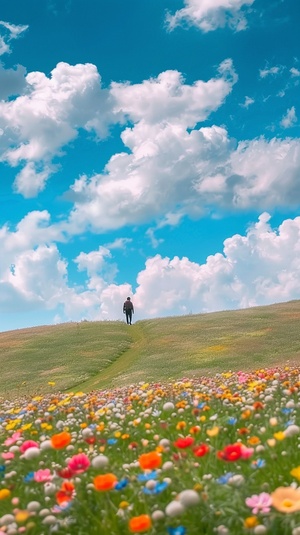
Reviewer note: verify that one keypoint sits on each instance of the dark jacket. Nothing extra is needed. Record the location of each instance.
(128, 306)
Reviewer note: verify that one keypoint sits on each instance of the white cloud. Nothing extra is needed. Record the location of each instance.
(12, 81)
(248, 102)
(260, 267)
(167, 98)
(208, 15)
(294, 72)
(38, 124)
(290, 118)
(271, 71)
(11, 31)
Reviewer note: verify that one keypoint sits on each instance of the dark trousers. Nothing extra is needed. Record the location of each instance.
(128, 315)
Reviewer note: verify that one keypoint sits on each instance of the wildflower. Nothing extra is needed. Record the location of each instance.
(188, 498)
(7, 456)
(179, 530)
(259, 503)
(28, 444)
(79, 463)
(157, 488)
(184, 442)
(42, 476)
(286, 499)
(60, 440)
(105, 482)
(175, 508)
(213, 432)
(121, 484)
(147, 476)
(140, 524)
(100, 461)
(66, 493)
(296, 473)
(65, 473)
(250, 522)
(13, 439)
(4, 493)
(232, 452)
(150, 460)
(201, 450)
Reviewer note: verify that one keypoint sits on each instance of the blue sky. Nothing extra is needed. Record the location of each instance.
(148, 149)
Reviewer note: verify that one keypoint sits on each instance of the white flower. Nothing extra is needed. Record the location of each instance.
(168, 465)
(31, 453)
(157, 515)
(33, 506)
(260, 530)
(50, 519)
(291, 430)
(175, 508)
(100, 461)
(46, 445)
(168, 406)
(188, 498)
(236, 480)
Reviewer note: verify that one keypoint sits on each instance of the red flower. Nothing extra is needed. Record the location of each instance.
(65, 473)
(232, 452)
(201, 450)
(185, 442)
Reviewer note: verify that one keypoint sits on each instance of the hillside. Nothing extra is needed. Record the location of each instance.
(90, 355)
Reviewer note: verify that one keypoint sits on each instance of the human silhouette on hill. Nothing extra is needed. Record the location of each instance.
(128, 310)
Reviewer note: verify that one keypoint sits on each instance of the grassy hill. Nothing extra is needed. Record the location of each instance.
(91, 355)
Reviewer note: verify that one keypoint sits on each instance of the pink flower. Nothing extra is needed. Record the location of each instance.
(259, 503)
(28, 444)
(43, 476)
(13, 439)
(79, 463)
(246, 452)
(8, 455)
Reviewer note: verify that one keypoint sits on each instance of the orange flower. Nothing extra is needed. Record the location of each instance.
(139, 524)
(61, 440)
(105, 481)
(251, 521)
(253, 441)
(286, 499)
(66, 493)
(150, 461)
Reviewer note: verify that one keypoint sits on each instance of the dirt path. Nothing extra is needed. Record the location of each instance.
(109, 376)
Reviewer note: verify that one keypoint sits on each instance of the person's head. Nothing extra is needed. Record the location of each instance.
(128, 298)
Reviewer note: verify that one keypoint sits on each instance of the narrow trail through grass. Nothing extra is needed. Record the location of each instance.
(109, 376)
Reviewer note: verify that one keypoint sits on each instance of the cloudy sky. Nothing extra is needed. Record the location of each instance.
(147, 148)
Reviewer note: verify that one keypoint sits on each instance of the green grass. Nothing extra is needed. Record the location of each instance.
(92, 355)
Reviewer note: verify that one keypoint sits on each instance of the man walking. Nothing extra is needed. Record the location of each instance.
(128, 310)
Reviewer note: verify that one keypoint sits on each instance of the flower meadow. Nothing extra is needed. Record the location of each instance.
(212, 455)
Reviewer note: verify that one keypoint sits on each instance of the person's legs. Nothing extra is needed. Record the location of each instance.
(128, 316)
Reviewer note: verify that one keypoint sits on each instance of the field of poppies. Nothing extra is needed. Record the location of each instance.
(194, 456)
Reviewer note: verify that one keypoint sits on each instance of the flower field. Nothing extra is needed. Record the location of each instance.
(197, 456)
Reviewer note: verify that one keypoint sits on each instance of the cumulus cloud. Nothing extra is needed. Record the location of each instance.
(209, 15)
(172, 170)
(7, 33)
(258, 268)
(290, 118)
(12, 81)
(37, 124)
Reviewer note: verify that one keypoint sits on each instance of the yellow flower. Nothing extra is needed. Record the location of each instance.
(286, 499)
(213, 432)
(51, 383)
(296, 473)
(124, 504)
(279, 435)
(4, 493)
(117, 434)
(22, 516)
(251, 522)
